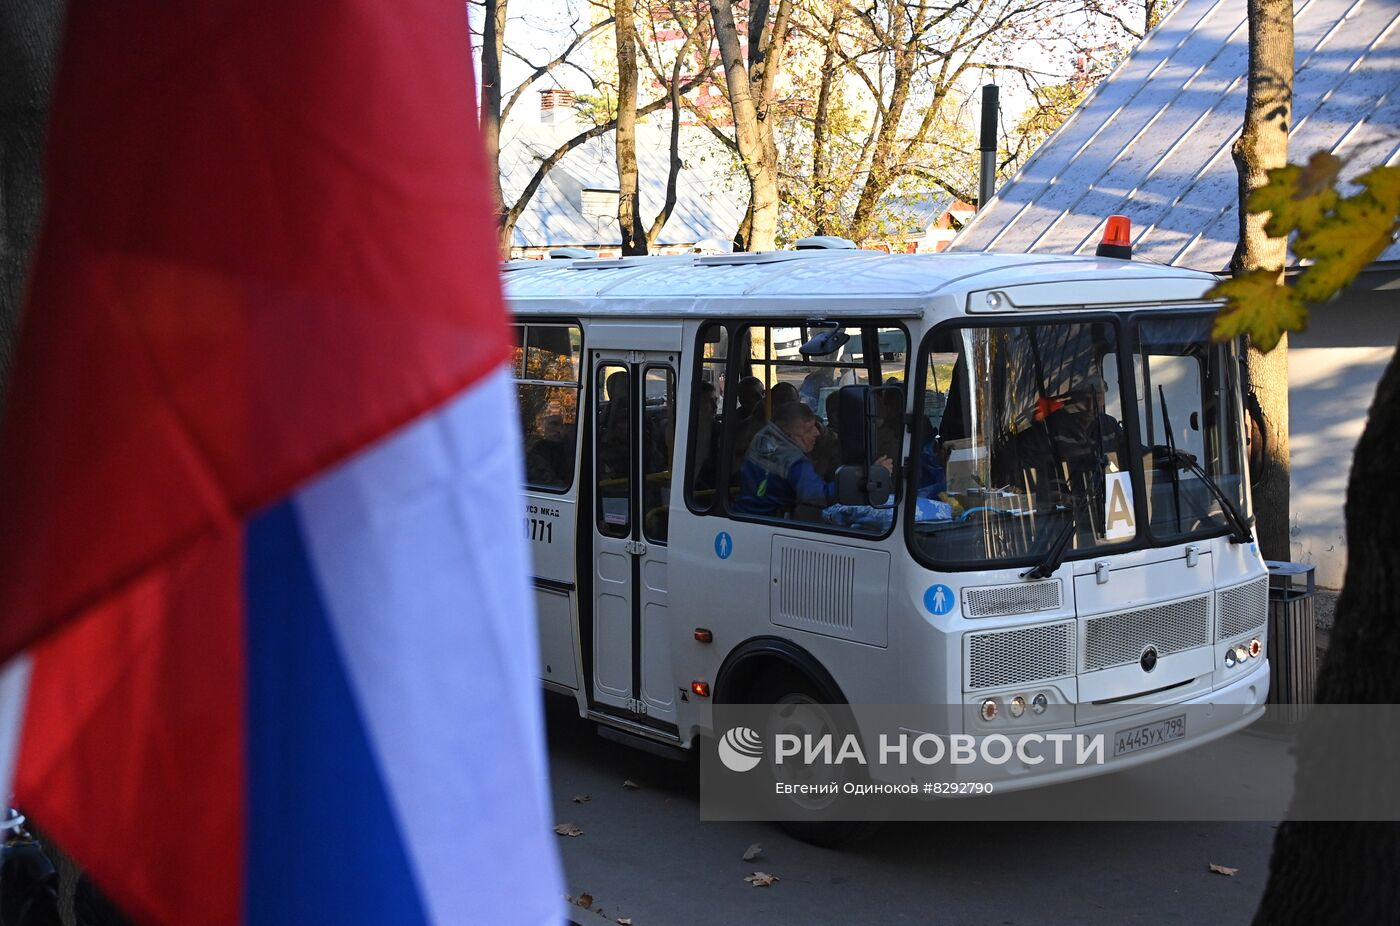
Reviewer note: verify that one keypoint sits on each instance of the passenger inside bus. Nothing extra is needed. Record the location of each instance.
(615, 428)
(814, 384)
(782, 394)
(826, 455)
(750, 416)
(889, 432)
(549, 458)
(707, 436)
(778, 475)
(750, 395)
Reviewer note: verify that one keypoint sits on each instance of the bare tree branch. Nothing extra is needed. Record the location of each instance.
(543, 69)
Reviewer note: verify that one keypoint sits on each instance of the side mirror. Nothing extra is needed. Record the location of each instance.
(864, 485)
(828, 341)
(857, 425)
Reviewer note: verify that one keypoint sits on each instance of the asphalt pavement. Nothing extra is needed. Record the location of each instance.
(644, 855)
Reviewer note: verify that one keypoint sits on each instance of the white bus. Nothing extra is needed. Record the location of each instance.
(1064, 519)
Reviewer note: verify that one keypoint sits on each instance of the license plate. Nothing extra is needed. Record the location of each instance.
(1148, 735)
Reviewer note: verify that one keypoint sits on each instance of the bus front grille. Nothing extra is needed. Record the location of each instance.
(1024, 654)
(1120, 639)
(1242, 608)
(1003, 600)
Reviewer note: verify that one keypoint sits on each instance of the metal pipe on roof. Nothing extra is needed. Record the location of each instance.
(987, 177)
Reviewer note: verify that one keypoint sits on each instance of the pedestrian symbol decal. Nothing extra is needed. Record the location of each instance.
(724, 545)
(939, 599)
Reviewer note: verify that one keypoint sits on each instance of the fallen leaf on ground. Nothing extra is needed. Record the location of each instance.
(624, 921)
(752, 852)
(568, 829)
(761, 879)
(582, 798)
(630, 785)
(1222, 870)
(584, 900)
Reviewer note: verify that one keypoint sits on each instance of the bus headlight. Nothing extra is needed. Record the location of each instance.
(1017, 706)
(1229, 657)
(1039, 703)
(989, 709)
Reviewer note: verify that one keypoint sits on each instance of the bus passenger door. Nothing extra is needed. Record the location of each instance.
(634, 409)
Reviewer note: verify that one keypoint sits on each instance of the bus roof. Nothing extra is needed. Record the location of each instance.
(854, 281)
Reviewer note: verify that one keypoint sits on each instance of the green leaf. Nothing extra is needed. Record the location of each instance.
(1296, 197)
(1259, 305)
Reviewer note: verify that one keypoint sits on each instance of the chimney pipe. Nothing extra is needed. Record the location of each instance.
(557, 106)
(987, 177)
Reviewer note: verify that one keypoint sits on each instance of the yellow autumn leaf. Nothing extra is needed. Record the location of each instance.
(1297, 196)
(1384, 184)
(1341, 245)
(1319, 175)
(1256, 305)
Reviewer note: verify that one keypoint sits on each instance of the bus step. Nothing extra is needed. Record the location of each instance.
(645, 744)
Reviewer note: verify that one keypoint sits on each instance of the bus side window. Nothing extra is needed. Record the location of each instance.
(658, 446)
(707, 421)
(614, 460)
(547, 386)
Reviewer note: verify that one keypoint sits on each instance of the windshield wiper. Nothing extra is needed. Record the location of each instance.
(1171, 449)
(1239, 524)
(1056, 554)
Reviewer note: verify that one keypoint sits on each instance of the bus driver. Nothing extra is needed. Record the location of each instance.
(777, 475)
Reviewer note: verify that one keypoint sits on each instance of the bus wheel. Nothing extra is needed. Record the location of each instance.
(796, 707)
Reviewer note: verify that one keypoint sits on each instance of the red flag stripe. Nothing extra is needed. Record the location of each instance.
(268, 243)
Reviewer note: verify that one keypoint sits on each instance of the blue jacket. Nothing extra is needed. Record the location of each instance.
(932, 479)
(777, 476)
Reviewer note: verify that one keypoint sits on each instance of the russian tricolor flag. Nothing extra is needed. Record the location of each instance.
(261, 571)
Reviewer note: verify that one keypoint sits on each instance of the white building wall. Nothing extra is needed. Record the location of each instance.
(1333, 368)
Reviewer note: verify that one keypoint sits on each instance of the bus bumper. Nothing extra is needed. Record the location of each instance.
(1208, 717)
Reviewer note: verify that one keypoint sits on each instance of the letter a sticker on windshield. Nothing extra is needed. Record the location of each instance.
(1118, 520)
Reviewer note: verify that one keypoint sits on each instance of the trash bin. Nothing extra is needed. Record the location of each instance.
(1292, 633)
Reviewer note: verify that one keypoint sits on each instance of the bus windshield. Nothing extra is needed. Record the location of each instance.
(1037, 439)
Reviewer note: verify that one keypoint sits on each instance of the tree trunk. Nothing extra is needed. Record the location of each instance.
(493, 36)
(629, 219)
(673, 171)
(546, 163)
(29, 33)
(901, 39)
(756, 147)
(1345, 872)
(1270, 469)
(1263, 146)
(821, 187)
(1151, 15)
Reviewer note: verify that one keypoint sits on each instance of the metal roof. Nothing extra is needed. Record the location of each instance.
(855, 279)
(709, 198)
(1153, 140)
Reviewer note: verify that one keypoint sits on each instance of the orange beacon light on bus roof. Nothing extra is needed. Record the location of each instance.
(1117, 238)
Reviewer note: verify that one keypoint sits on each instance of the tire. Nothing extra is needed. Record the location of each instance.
(800, 707)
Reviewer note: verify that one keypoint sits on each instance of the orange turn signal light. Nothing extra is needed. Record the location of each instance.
(703, 635)
(700, 689)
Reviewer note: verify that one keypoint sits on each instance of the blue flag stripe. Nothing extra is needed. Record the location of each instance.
(324, 846)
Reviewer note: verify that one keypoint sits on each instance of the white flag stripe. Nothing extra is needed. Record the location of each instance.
(14, 696)
(416, 544)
